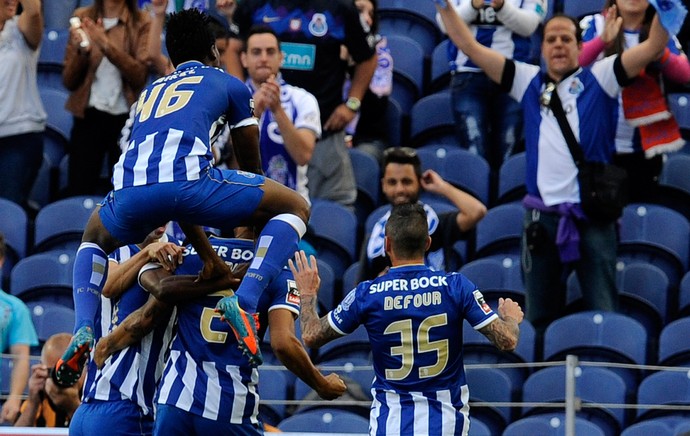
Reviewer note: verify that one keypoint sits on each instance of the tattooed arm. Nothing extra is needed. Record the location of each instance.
(504, 331)
(137, 325)
(315, 331)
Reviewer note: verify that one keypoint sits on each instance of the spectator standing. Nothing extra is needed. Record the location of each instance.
(488, 122)
(557, 234)
(401, 183)
(17, 336)
(311, 34)
(289, 118)
(415, 332)
(22, 118)
(105, 70)
(644, 131)
(49, 405)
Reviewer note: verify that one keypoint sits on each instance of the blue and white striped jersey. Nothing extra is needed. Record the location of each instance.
(627, 141)
(174, 123)
(132, 373)
(590, 98)
(489, 28)
(302, 109)
(206, 373)
(414, 317)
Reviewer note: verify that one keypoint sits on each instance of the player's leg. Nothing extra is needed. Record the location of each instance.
(89, 274)
(285, 213)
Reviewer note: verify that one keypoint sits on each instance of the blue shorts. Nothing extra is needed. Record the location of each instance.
(222, 199)
(171, 421)
(110, 418)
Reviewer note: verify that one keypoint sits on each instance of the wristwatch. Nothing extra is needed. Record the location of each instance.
(353, 104)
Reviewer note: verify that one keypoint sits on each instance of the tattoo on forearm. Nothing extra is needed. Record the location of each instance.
(315, 330)
(503, 334)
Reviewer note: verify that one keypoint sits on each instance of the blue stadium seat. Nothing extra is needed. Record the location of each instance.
(50, 318)
(58, 12)
(664, 388)
(641, 240)
(647, 428)
(327, 290)
(596, 336)
(335, 232)
(511, 179)
(493, 386)
(500, 231)
(674, 343)
(674, 184)
(325, 421)
(684, 296)
(14, 227)
(580, 8)
(552, 424)
(642, 290)
(273, 392)
(53, 45)
(459, 167)
(477, 349)
(52, 284)
(431, 121)
(60, 225)
(440, 68)
(478, 427)
(351, 278)
(368, 180)
(354, 345)
(395, 124)
(413, 19)
(408, 71)
(497, 277)
(678, 104)
(592, 385)
(59, 122)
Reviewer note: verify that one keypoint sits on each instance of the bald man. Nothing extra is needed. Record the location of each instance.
(49, 405)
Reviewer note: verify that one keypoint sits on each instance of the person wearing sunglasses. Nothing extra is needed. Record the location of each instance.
(558, 235)
(401, 183)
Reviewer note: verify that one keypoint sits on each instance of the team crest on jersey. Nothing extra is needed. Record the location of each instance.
(292, 296)
(318, 25)
(576, 87)
(295, 24)
(479, 298)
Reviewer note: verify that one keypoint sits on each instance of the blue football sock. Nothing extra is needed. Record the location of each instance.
(277, 243)
(90, 272)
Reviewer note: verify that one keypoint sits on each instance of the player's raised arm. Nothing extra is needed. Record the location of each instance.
(505, 331)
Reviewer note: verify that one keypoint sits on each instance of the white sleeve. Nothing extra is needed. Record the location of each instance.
(524, 73)
(464, 9)
(307, 108)
(522, 20)
(606, 77)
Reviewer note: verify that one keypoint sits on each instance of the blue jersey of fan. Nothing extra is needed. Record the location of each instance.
(414, 317)
(132, 373)
(169, 135)
(206, 373)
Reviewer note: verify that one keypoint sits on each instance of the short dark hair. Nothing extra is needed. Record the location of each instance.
(258, 29)
(408, 230)
(402, 155)
(578, 29)
(189, 37)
